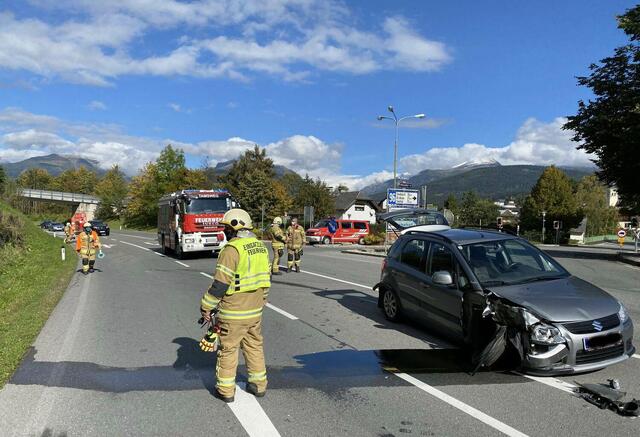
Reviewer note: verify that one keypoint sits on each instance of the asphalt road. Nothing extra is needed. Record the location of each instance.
(119, 356)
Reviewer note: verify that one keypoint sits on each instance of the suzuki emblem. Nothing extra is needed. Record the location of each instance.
(597, 325)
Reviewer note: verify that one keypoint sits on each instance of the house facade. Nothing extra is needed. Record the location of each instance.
(351, 205)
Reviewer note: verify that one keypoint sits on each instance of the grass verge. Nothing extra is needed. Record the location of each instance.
(32, 278)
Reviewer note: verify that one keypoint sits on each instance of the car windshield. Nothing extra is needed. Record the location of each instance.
(509, 262)
(410, 220)
(322, 224)
(97, 223)
(208, 205)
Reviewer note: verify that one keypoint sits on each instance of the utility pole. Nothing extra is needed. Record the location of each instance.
(544, 214)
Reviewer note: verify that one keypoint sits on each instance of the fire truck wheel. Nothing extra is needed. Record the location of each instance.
(179, 252)
(326, 240)
(361, 241)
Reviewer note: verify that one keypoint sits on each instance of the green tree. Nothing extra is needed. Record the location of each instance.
(591, 197)
(552, 193)
(609, 125)
(75, 180)
(144, 193)
(112, 191)
(314, 192)
(36, 178)
(3, 179)
(475, 211)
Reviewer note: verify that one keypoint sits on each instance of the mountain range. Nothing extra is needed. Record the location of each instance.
(54, 164)
(488, 179)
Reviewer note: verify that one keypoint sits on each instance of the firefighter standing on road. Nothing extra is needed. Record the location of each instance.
(239, 292)
(67, 232)
(278, 239)
(87, 244)
(295, 242)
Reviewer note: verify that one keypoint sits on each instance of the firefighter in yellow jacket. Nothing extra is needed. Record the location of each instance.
(239, 292)
(278, 239)
(87, 245)
(295, 242)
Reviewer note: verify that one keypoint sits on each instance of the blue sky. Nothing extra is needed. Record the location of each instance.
(117, 80)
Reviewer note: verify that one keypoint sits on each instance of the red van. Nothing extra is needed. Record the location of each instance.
(348, 231)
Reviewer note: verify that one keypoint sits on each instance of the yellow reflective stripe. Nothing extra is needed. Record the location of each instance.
(239, 315)
(225, 382)
(263, 283)
(258, 376)
(241, 312)
(208, 302)
(225, 270)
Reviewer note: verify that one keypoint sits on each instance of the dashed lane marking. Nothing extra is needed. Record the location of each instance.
(281, 311)
(107, 246)
(137, 236)
(551, 382)
(160, 254)
(135, 245)
(250, 414)
(182, 264)
(468, 409)
(636, 356)
(150, 244)
(207, 275)
(367, 287)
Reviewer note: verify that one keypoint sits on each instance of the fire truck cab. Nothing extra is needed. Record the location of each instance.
(188, 221)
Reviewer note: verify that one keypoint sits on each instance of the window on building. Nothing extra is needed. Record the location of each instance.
(359, 208)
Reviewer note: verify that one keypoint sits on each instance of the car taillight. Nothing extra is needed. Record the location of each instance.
(220, 237)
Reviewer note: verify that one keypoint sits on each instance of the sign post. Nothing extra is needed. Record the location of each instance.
(399, 198)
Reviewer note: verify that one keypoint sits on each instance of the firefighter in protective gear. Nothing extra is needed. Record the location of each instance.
(239, 292)
(295, 242)
(67, 232)
(87, 245)
(278, 240)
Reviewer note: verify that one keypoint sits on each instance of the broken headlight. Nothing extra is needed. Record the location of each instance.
(546, 334)
(622, 313)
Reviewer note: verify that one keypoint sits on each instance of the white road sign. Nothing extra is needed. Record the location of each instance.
(622, 233)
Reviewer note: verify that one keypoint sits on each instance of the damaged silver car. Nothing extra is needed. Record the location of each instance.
(499, 295)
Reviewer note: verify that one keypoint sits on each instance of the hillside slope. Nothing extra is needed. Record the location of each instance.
(54, 164)
(33, 279)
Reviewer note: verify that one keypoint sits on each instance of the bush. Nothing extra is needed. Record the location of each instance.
(11, 229)
(374, 239)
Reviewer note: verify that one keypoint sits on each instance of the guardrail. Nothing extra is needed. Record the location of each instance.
(58, 196)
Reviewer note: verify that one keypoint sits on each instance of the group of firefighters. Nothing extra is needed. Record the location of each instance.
(88, 244)
(238, 295)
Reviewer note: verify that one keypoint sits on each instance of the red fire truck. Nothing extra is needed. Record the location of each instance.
(188, 221)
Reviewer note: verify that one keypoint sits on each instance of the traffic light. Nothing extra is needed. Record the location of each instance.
(634, 222)
(556, 224)
(499, 221)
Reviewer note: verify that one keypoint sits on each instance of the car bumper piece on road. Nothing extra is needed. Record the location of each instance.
(313, 239)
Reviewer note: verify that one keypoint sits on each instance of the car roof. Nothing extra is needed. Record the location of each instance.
(466, 236)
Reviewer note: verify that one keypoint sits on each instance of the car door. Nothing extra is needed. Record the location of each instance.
(410, 274)
(347, 232)
(443, 303)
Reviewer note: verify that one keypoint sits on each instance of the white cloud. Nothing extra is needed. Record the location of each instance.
(536, 143)
(175, 107)
(97, 105)
(289, 39)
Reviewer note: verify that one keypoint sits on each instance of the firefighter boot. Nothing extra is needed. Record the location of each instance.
(227, 399)
(253, 389)
(91, 264)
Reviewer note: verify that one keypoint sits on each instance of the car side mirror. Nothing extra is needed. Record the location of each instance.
(442, 278)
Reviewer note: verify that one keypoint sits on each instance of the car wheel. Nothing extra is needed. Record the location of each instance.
(326, 240)
(361, 241)
(390, 305)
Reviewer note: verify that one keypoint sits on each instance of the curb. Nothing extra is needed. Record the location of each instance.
(365, 253)
(629, 259)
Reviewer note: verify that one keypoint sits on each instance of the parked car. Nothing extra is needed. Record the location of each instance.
(45, 224)
(347, 231)
(480, 288)
(100, 227)
(56, 227)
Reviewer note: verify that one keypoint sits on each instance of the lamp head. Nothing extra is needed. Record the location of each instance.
(419, 116)
(380, 117)
(390, 108)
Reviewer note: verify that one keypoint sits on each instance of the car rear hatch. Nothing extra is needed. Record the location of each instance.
(418, 219)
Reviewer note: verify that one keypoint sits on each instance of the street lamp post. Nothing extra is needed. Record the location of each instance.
(397, 121)
(544, 213)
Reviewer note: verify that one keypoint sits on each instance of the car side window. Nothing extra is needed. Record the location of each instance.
(441, 260)
(414, 254)
(346, 225)
(360, 226)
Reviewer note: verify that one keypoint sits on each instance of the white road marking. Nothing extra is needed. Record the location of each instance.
(135, 245)
(368, 287)
(636, 356)
(494, 423)
(160, 254)
(281, 311)
(107, 246)
(136, 236)
(250, 414)
(150, 244)
(182, 264)
(207, 275)
(551, 382)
